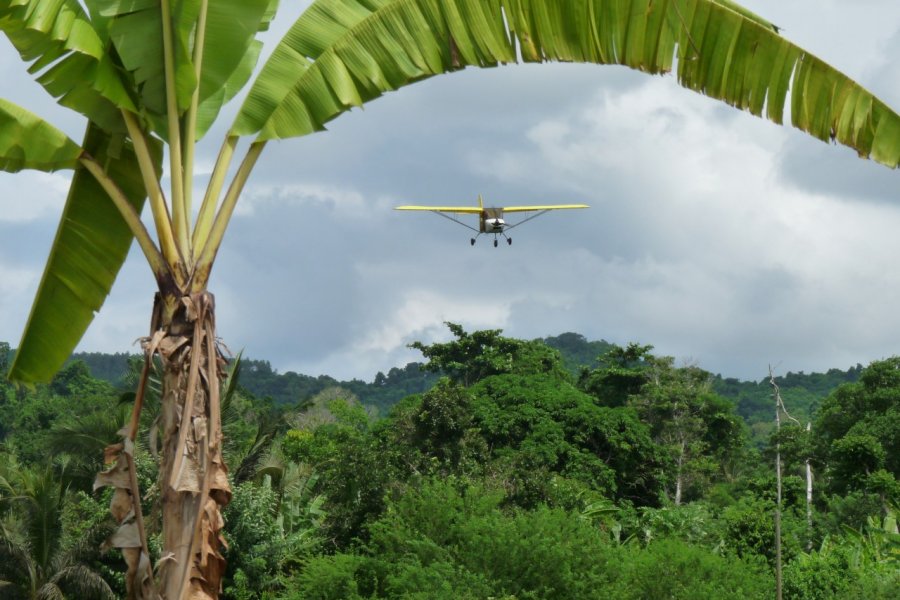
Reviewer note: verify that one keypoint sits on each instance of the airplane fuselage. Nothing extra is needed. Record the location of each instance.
(491, 220)
(494, 225)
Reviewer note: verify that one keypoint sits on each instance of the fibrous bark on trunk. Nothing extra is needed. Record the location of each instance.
(193, 479)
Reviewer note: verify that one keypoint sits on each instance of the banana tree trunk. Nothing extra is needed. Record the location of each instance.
(192, 476)
(193, 479)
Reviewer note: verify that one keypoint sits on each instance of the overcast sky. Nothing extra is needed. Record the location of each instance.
(722, 239)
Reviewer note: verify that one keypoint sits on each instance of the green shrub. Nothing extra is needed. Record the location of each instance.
(675, 570)
(327, 578)
(451, 539)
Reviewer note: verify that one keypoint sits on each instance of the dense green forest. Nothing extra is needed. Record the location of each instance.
(802, 392)
(495, 468)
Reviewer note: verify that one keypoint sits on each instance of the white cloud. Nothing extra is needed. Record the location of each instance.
(422, 313)
(15, 286)
(15, 280)
(32, 195)
(419, 316)
(338, 200)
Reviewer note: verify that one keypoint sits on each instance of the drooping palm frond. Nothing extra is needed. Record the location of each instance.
(91, 244)
(262, 457)
(301, 506)
(342, 53)
(17, 566)
(79, 581)
(82, 440)
(73, 52)
(33, 558)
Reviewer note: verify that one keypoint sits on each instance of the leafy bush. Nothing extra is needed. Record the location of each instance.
(835, 573)
(679, 571)
(327, 578)
(451, 539)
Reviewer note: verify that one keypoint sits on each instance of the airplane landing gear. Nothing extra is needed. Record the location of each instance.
(495, 242)
(472, 242)
(509, 241)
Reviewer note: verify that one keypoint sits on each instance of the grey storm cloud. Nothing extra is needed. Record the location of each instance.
(713, 235)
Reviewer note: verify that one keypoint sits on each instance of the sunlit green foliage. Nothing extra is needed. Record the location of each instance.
(621, 373)
(537, 426)
(449, 537)
(473, 356)
(861, 565)
(519, 486)
(270, 530)
(857, 434)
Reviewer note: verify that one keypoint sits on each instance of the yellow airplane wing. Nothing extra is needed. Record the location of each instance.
(510, 209)
(453, 209)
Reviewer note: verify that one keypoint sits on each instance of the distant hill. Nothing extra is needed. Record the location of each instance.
(577, 351)
(108, 367)
(285, 389)
(802, 392)
(290, 388)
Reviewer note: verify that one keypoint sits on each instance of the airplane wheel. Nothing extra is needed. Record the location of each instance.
(472, 242)
(495, 243)
(509, 241)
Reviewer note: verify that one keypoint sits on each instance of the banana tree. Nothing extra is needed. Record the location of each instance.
(150, 78)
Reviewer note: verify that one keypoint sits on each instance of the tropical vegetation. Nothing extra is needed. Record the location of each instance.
(526, 481)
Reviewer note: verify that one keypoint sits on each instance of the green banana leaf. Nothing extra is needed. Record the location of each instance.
(209, 108)
(342, 53)
(136, 30)
(229, 55)
(91, 244)
(29, 142)
(68, 56)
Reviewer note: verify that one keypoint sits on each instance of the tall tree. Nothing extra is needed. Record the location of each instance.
(857, 434)
(152, 73)
(620, 373)
(473, 356)
(698, 428)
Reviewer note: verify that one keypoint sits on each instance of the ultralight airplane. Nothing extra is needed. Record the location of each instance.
(490, 220)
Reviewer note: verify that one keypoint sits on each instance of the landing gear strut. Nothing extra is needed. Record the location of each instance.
(496, 241)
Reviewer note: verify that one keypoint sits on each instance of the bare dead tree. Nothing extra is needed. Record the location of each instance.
(809, 495)
(779, 410)
(776, 394)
